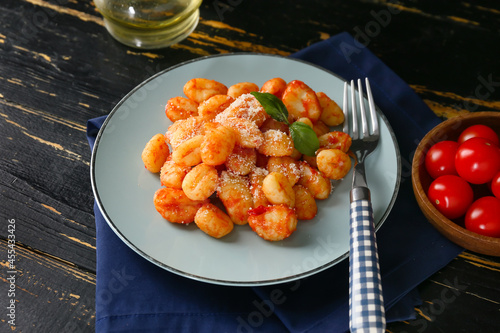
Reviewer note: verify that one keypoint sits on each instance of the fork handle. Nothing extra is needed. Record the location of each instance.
(366, 303)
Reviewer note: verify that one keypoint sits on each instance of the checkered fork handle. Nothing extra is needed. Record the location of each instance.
(367, 313)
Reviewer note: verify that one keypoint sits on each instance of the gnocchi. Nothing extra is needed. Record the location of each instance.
(278, 189)
(155, 153)
(334, 163)
(287, 166)
(301, 101)
(273, 223)
(200, 182)
(200, 89)
(306, 121)
(213, 221)
(172, 174)
(247, 107)
(242, 88)
(336, 140)
(305, 205)
(242, 160)
(234, 193)
(174, 205)
(217, 145)
(210, 108)
(188, 153)
(274, 86)
(312, 179)
(178, 108)
(320, 128)
(248, 134)
(271, 124)
(276, 143)
(183, 130)
(256, 179)
(224, 161)
(331, 114)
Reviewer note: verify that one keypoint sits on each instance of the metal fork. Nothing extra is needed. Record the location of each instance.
(366, 303)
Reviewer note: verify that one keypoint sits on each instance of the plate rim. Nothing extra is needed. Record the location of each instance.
(209, 280)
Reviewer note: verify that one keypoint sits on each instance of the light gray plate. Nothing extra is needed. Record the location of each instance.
(124, 189)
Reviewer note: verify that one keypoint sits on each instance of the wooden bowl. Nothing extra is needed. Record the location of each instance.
(453, 230)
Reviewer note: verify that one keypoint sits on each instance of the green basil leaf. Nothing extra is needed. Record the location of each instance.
(273, 106)
(304, 138)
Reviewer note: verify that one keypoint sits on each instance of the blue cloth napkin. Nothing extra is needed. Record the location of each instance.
(133, 295)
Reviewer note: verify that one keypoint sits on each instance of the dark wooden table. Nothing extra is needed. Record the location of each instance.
(59, 67)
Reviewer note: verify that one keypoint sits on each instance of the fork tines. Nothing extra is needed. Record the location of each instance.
(354, 130)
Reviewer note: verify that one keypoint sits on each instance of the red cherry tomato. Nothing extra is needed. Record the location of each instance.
(483, 216)
(451, 195)
(440, 159)
(477, 160)
(481, 131)
(495, 185)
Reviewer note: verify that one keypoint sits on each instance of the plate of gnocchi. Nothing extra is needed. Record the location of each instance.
(233, 170)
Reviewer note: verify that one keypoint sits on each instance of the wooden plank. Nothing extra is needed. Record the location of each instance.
(46, 224)
(451, 294)
(49, 295)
